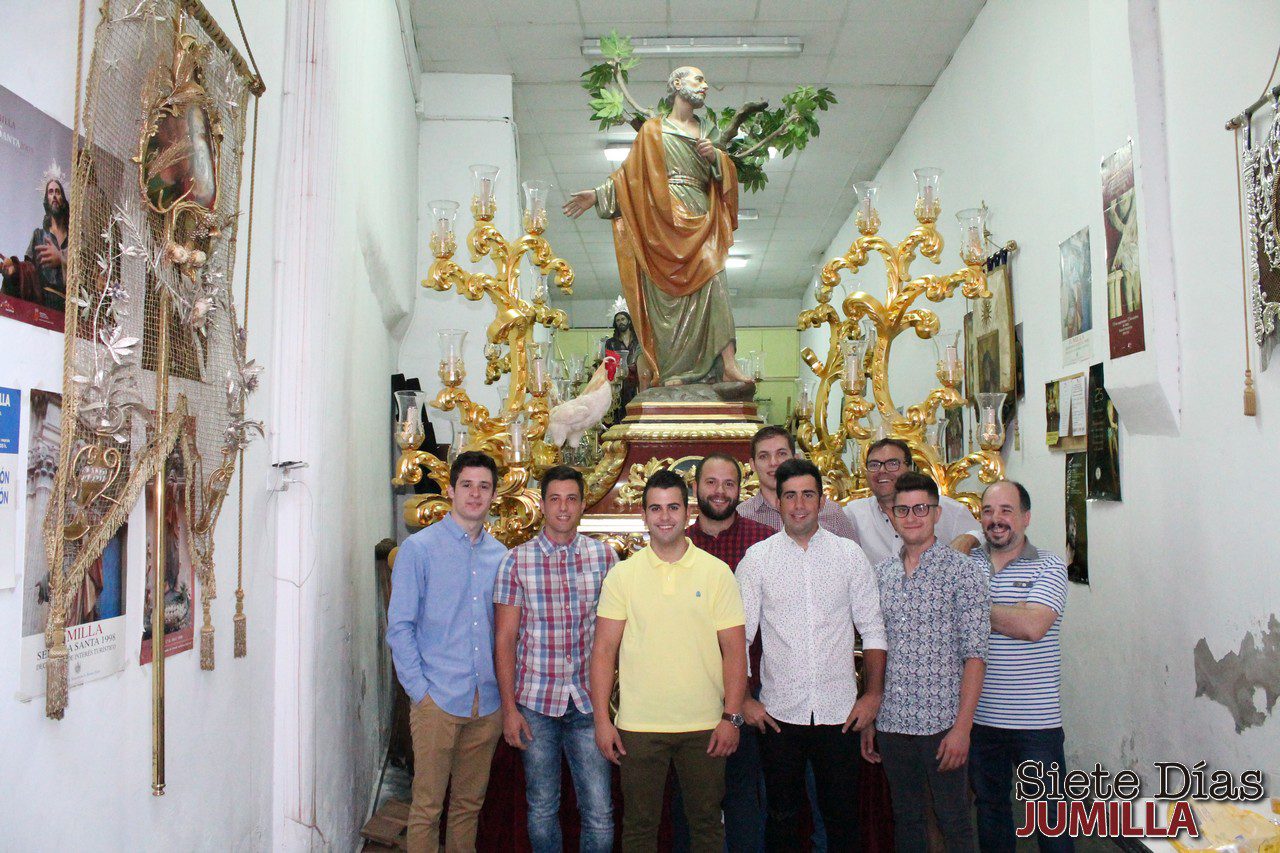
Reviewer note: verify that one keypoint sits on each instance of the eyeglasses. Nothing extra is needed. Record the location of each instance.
(888, 465)
(919, 510)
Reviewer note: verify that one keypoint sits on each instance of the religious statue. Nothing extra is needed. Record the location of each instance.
(674, 206)
(623, 341)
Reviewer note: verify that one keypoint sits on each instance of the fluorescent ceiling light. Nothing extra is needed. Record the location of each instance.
(735, 263)
(616, 154)
(748, 214)
(706, 46)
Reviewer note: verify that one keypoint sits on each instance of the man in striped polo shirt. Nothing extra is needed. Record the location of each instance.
(1019, 717)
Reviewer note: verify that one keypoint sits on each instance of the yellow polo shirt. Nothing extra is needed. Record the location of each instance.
(670, 674)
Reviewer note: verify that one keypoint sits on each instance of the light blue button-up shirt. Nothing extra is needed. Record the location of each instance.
(440, 620)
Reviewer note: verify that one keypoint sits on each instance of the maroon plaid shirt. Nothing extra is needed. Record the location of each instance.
(729, 546)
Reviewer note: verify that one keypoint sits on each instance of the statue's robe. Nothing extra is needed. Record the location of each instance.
(674, 215)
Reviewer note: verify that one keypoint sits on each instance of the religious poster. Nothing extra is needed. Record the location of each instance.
(179, 565)
(993, 330)
(1124, 280)
(1104, 440)
(1077, 519)
(35, 157)
(10, 415)
(1076, 298)
(95, 619)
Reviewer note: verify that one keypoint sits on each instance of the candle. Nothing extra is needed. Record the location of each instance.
(539, 377)
(953, 357)
(928, 195)
(486, 191)
(517, 440)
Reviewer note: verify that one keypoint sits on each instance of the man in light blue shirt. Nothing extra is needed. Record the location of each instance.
(440, 630)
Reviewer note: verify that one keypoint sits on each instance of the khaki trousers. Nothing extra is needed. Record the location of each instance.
(445, 747)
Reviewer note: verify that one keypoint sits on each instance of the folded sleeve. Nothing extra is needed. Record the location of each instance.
(864, 599)
(408, 587)
(507, 587)
(613, 601)
(1050, 587)
(973, 609)
(727, 608)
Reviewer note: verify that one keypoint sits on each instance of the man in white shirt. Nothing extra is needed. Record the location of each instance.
(887, 460)
(805, 589)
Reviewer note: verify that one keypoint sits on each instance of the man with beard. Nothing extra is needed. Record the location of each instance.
(624, 341)
(1019, 716)
(39, 277)
(806, 590)
(723, 533)
(674, 206)
(887, 460)
(670, 618)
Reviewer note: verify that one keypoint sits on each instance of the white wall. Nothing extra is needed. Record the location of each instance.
(84, 782)
(1036, 95)
(747, 311)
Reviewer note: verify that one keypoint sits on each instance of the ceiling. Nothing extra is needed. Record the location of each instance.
(880, 57)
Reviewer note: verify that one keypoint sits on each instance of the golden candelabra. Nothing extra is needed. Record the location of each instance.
(512, 435)
(861, 342)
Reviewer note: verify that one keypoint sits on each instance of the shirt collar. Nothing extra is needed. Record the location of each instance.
(733, 522)
(548, 547)
(685, 561)
(927, 557)
(455, 530)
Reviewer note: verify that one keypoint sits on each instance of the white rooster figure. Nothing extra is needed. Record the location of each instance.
(570, 420)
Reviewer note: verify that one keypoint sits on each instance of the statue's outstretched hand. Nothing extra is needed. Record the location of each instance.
(579, 203)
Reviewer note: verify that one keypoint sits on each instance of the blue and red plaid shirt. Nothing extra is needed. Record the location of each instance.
(730, 545)
(557, 588)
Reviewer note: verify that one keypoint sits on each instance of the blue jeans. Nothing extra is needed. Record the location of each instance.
(574, 735)
(993, 754)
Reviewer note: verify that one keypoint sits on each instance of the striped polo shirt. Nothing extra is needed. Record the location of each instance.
(1024, 678)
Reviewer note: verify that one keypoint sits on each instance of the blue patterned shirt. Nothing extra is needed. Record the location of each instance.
(557, 588)
(935, 619)
(440, 620)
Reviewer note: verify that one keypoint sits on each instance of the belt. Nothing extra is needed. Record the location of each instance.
(685, 181)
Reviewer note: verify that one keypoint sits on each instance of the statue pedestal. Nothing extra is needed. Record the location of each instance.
(656, 435)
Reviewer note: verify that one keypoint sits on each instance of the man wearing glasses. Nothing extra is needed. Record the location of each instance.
(887, 460)
(936, 608)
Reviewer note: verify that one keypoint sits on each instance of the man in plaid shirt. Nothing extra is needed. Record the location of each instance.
(546, 596)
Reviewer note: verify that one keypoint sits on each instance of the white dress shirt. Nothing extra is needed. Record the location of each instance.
(880, 541)
(805, 604)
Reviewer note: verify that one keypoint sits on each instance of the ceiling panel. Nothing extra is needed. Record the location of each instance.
(881, 57)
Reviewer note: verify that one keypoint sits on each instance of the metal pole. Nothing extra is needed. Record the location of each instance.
(158, 558)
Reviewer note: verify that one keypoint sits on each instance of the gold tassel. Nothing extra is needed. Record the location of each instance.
(206, 647)
(1250, 395)
(241, 630)
(55, 695)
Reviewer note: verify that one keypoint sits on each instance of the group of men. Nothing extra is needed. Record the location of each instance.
(959, 651)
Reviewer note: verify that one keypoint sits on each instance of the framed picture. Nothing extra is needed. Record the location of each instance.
(992, 329)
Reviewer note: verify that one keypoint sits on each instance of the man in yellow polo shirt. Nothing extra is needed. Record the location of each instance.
(670, 617)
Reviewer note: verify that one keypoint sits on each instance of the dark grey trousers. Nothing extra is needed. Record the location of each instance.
(911, 764)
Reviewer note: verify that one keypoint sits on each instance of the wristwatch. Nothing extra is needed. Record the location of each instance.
(736, 719)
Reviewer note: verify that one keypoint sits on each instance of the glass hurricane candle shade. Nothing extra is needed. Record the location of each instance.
(452, 370)
(973, 235)
(537, 375)
(516, 451)
(484, 179)
(937, 434)
(461, 438)
(867, 218)
(410, 431)
(946, 345)
(990, 419)
(928, 201)
(854, 378)
(444, 215)
(804, 398)
(535, 206)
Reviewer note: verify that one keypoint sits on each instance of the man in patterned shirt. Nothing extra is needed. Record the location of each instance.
(1019, 717)
(770, 447)
(546, 597)
(726, 535)
(937, 617)
(806, 589)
